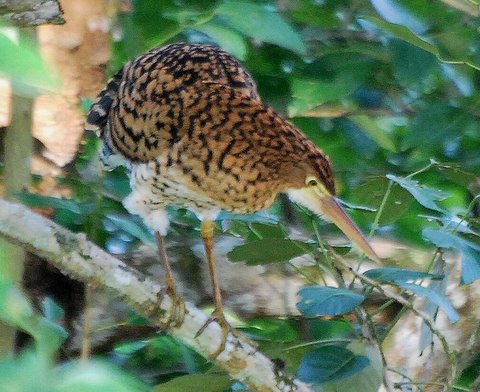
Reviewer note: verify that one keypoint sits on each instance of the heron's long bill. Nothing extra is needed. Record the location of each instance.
(329, 208)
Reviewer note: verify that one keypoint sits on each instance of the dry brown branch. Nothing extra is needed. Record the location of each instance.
(75, 256)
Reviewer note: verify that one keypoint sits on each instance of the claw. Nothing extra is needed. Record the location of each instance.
(218, 316)
(176, 313)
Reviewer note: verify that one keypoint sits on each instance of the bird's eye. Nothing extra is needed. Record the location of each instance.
(312, 182)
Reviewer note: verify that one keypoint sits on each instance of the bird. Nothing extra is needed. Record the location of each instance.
(188, 123)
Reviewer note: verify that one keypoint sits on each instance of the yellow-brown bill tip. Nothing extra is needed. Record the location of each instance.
(334, 212)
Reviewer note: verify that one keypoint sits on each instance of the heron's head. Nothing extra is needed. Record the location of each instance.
(315, 189)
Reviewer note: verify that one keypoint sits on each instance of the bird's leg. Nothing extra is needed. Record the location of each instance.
(177, 310)
(207, 230)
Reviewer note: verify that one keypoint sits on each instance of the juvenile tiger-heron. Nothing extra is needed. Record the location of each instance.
(189, 124)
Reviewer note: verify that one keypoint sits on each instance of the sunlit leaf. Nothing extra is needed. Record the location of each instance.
(261, 22)
(308, 94)
(330, 363)
(96, 376)
(130, 348)
(23, 64)
(424, 195)
(396, 12)
(270, 250)
(327, 301)
(17, 311)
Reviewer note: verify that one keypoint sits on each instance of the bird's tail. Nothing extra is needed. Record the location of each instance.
(97, 116)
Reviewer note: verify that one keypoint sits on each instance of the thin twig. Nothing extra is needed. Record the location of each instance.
(403, 375)
(451, 355)
(433, 383)
(86, 328)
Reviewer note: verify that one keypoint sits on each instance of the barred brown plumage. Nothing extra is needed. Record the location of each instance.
(190, 125)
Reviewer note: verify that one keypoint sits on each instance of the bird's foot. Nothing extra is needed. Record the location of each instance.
(219, 317)
(176, 313)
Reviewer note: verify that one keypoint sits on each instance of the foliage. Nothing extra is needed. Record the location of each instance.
(387, 89)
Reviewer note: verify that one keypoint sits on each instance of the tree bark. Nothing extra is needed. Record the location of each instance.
(25, 13)
(75, 256)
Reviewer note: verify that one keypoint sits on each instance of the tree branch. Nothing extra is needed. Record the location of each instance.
(31, 12)
(75, 256)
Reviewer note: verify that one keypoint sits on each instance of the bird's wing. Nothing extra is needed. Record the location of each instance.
(97, 116)
(148, 107)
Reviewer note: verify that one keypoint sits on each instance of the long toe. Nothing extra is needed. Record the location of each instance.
(218, 317)
(226, 329)
(176, 312)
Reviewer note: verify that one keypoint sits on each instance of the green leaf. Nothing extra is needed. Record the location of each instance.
(470, 251)
(413, 67)
(371, 128)
(196, 382)
(327, 301)
(28, 371)
(424, 195)
(51, 310)
(96, 376)
(309, 94)
(407, 35)
(40, 201)
(263, 230)
(445, 120)
(433, 296)
(228, 39)
(431, 308)
(127, 223)
(368, 379)
(396, 275)
(166, 350)
(402, 33)
(48, 335)
(271, 330)
(17, 311)
(15, 308)
(330, 363)
(117, 183)
(456, 174)
(261, 22)
(130, 348)
(23, 64)
(270, 250)
(371, 193)
(261, 217)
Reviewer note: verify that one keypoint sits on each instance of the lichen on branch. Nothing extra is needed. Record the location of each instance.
(77, 257)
